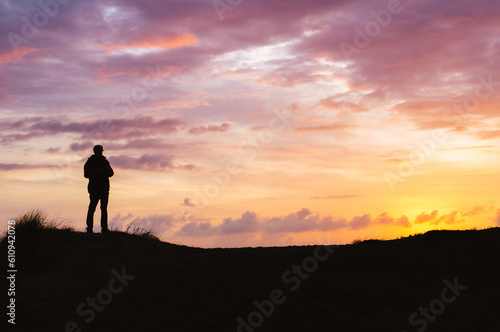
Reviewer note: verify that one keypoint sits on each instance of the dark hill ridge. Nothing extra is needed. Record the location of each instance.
(144, 284)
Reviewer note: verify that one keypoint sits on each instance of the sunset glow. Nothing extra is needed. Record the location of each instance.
(258, 123)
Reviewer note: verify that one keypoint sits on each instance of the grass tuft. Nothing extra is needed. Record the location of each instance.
(33, 221)
(140, 231)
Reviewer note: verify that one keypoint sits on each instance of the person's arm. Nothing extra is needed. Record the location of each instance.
(109, 170)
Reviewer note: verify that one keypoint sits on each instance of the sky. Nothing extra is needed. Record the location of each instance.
(234, 123)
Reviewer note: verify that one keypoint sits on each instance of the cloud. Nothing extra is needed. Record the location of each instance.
(155, 43)
(412, 64)
(207, 129)
(434, 219)
(187, 202)
(451, 218)
(15, 166)
(140, 126)
(423, 217)
(156, 223)
(246, 224)
(196, 229)
(384, 218)
(146, 162)
(53, 150)
(328, 223)
(300, 221)
(330, 127)
(360, 222)
(16, 55)
(76, 147)
(149, 162)
(403, 221)
(305, 221)
(478, 209)
(121, 219)
(342, 106)
(335, 197)
(142, 144)
(488, 134)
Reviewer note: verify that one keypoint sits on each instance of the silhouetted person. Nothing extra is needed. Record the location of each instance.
(98, 170)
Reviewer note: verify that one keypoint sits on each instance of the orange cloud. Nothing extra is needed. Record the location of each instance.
(16, 55)
(434, 219)
(423, 217)
(156, 42)
(333, 126)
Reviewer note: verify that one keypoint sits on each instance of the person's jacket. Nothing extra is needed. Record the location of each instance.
(98, 170)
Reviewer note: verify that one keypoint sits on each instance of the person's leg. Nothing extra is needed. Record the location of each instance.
(94, 199)
(104, 211)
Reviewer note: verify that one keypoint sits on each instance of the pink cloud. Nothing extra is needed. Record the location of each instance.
(207, 129)
(14, 55)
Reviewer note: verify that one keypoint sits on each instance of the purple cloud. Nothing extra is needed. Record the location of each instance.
(147, 162)
(246, 224)
(360, 222)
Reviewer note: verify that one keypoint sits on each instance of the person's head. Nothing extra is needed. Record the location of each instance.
(98, 149)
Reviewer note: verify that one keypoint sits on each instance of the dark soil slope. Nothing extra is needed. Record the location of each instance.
(70, 281)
